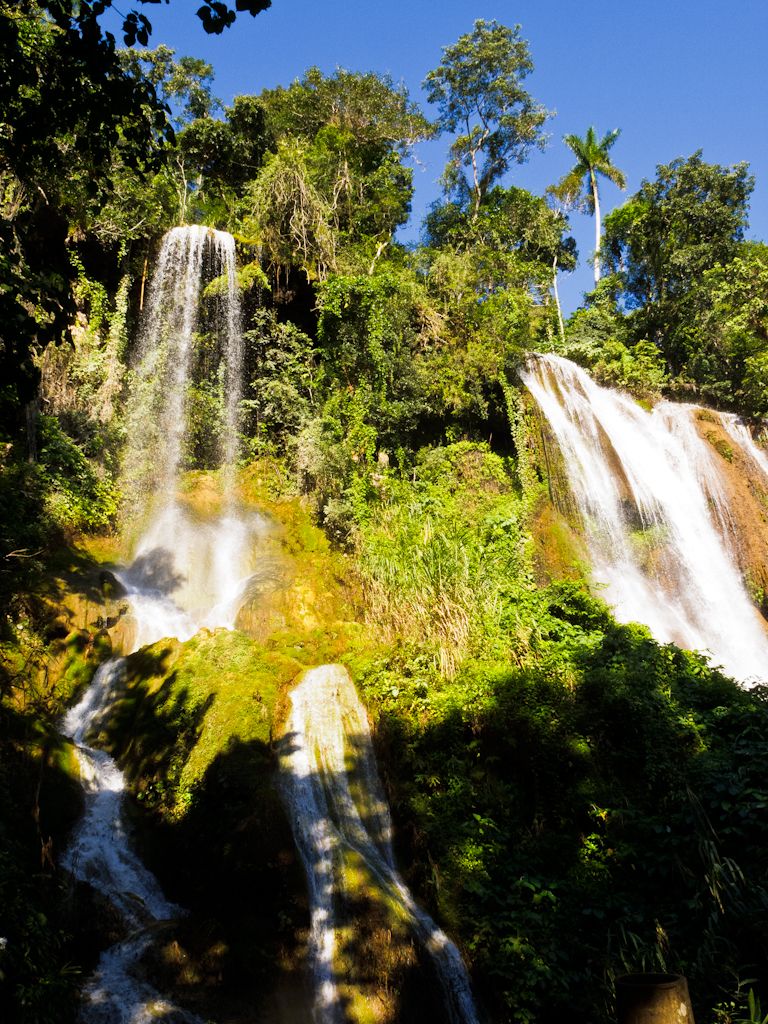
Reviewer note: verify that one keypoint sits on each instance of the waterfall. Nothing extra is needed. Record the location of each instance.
(741, 435)
(167, 354)
(185, 574)
(327, 740)
(655, 514)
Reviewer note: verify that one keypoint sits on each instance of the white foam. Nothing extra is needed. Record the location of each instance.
(631, 470)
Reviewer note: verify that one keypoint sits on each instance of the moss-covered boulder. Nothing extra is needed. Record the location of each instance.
(192, 729)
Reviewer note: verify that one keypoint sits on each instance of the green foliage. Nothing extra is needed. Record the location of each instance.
(436, 552)
(368, 335)
(728, 354)
(292, 217)
(336, 187)
(683, 280)
(579, 186)
(369, 107)
(40, 794)
(37, 983)
(478, 92)
(81, 382)
(660, 243)
(514, 237)
(217, 158)
(76, 496)
(283, 383)
(564, 850)
(639, 369)
(70, 117)
(203, 406)
(184, 83)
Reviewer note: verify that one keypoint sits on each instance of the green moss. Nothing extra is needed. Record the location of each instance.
(705, 416)
(649, 544)
(757, 591)
(83, 653)
(185, 704)
(721, 446)
(559, 552)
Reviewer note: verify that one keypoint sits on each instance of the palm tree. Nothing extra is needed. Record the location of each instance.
(579, 186)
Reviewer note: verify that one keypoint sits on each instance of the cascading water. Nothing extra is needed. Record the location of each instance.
(326, 740)
(743, 438)
(185, 574)
(648, 482)
(163, 362)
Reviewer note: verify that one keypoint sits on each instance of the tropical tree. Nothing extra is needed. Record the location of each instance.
(579, 186)
(336, 185)
(660, 244)
(184, 84)
(478, 92)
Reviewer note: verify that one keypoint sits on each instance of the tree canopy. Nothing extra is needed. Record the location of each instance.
(478, 91)
(660, 243)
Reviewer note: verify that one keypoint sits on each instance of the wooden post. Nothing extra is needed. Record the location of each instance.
(653, 999)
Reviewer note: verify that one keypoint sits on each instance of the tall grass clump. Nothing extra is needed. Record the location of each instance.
(442, 553)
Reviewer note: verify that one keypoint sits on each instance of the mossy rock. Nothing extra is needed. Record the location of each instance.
(184, 704)
(559, 551)
(192, 728)
(706, 416)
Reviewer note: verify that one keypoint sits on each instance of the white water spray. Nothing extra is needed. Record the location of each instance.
(642, 479)
(166, 354)
(742, 435)
(326, 739)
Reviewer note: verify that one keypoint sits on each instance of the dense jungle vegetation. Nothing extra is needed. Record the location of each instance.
(571, 798)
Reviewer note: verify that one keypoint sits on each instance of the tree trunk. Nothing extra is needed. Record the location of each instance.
(31, 414)
(557, 300)
(597, 225)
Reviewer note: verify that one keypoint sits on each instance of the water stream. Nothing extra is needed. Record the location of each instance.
(337, 805)
(743, 438)
(100, 852)
(655, 515)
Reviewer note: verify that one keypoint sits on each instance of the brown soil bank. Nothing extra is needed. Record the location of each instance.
(746, 487)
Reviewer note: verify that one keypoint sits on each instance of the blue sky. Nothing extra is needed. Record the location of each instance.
(674, 75)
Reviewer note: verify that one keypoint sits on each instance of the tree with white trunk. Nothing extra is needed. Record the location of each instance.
(579, 187)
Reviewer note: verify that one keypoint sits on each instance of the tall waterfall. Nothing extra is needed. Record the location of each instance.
(655, 514)
(184, 574)
(166, 357)
(185, 337)
(327, 741)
